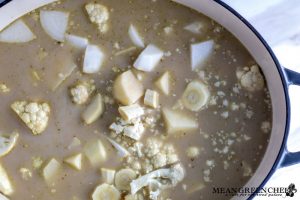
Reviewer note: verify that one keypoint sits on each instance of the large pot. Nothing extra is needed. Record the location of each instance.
(278, 78)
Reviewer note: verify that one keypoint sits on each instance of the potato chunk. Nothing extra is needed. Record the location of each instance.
(151, 98)
(94, 110)
(74, 161)
(127, 89)
(163, 83)
(131, 112)
(5, 184)
(177, 122)
(34, 115)
(51, 170)
(95, 151)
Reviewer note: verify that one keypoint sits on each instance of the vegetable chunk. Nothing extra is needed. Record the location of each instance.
(2, 197)
(123, 179)
(74, 161)
(94, 110)
(95, 151)
(163, 83)
(195, 96)
(12, 33)
(251, 78)
(51, 170)
(108, 175)
(149, 58)
(151, 98)
(200, 52)
(34, 115)
(7, 143)
(127, 89)
(55, 23)
(106, 192)
(5, 184)
(81, 92)
(131, 112)
(178, 122)
(135, 36)
(98, 15)
(77, 41)
(93, 59)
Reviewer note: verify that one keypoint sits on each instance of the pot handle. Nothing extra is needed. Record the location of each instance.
(292, 77)
(290, 158)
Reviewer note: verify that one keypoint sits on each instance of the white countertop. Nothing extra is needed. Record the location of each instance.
(278, 21)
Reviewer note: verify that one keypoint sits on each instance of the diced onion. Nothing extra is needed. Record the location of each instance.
(17, 32)
(55, 23)
(194, 27)
(93, 59)
(135, 37)
(149, 58)
(122, 152)
(77, 41)
(200, 52)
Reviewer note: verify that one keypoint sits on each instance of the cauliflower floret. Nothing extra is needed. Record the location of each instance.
(193, 152)
(81, 92)
(171, 155)
(265, 126)
(34, 115)
(98, 15)
(172, 177)
(159, 160)
(4, 88)
(25, 173)
(251, 79)
(152, 147)
(133, 129)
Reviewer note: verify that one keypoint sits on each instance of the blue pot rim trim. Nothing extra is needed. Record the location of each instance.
(284, 81)
(4, 2)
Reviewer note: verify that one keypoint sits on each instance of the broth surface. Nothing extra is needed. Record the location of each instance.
(233, 128)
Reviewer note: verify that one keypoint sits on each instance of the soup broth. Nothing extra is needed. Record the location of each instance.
(162, 103)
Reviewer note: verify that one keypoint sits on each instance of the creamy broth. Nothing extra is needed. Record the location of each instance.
(233, 127)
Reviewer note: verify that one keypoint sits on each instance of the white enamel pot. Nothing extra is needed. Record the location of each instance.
(278, 78)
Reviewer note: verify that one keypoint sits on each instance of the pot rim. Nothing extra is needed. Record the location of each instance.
(285, 84)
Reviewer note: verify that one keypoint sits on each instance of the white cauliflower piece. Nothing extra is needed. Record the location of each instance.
(152, 147)
(193, 152)
(251, 78)
(172, 157)
(133, 129)
(173, 175)
(266, 126)
(26, 174)
(34, 115)
(4, 88)
(159, 160)
(134, 132)
(81, 92)
(98, 15)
